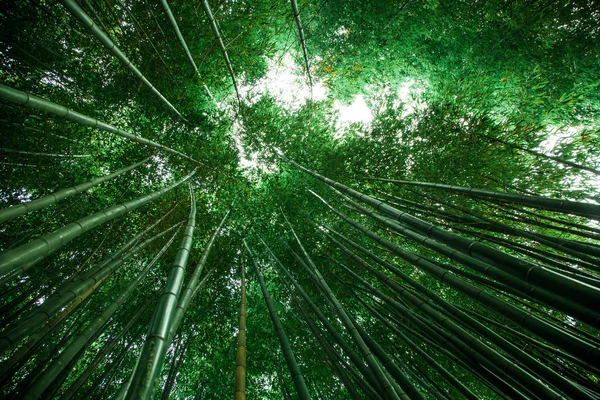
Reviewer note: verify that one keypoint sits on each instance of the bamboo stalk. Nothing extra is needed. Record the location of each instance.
(354, 357)
(71, 294)
(332, 355)
(152, 355)
(548, 374)
(297, 377)
(372, 362)
(37, 153)
(192, 285)
(296, 13)
(215, 30)
(86, 337)
(553, 299)
(9, 213)
(29, 100)
(544, 203)
(173, 22)
(19, 259)
(488, 357)
(575, 345)
(103, 38)
(102, 354)
(531, 273)
(239, 386)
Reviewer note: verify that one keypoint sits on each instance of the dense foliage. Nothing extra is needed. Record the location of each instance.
(498, 95)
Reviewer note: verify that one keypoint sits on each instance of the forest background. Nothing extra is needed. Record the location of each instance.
(499, 95)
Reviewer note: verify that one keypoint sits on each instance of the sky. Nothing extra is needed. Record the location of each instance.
(286, 82)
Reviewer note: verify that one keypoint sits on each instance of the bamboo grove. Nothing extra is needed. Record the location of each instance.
(174, 226)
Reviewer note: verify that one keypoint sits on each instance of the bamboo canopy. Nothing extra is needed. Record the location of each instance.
(414, 185)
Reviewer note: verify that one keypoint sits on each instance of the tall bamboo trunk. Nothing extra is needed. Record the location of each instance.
(86, 337)
(43, 361)
(481, 353)
(458, 385)
(29, 100)
(239, 386)
(40, 154)
(296, 13)
(553, 299)
(102, 355)
(103, 38)
(173, 22)
(111, 371)
(17, 260)
(70, 295)
(12, 364)
(124, 248)
(546, 373)
(217, 34)
(152, 355)
(446, 349)
(340, 310)
(192, 285)
(332, 355)
(176, 366)
(544, 203)
(575, 345)
(9, 213)
(285, 392)
(30, 294)
(572, 247)
(390, 365)
(354, 357)
(297, 377)
(531, 273)
(519, 210)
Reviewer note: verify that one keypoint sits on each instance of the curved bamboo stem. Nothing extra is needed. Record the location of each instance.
(37, 153)
(215, 30)
(101, 356)
(374, 365)
(544, 203)
(173, 22)
(570, 343)
(296, 13)
(69, 296)
(152, 355)
(9, 213)
(548, 374)
(19, 259)
(86, 337)
(297, 377)
(352, 355)
(553, 299)
(192, 285)
(531, 273)
(239, 386)
(103, 38)
(29, 100)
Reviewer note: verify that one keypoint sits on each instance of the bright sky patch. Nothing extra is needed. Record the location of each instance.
(357, 111)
